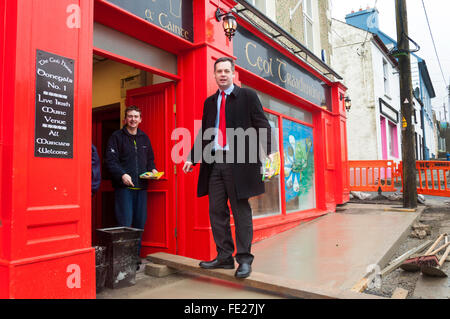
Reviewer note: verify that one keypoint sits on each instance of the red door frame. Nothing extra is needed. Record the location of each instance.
(98, 117)
(167, 184)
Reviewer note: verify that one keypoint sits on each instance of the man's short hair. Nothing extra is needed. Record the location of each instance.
(224, 59)
(132, 108)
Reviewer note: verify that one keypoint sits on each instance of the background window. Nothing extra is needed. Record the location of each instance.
(259, 4)
(393, 139)
(265, 6)
(386, 78)
(282, 107)
(308, 23)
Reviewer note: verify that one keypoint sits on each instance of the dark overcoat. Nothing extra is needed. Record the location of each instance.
(243, 111)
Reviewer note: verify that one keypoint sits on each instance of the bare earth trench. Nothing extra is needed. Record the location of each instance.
(437, 215)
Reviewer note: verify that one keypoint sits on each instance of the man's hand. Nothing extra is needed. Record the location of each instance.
(126, 179)
(270, 172)
(188, 167)
(271, 157)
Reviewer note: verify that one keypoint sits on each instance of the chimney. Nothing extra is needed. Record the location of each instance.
(364, 19)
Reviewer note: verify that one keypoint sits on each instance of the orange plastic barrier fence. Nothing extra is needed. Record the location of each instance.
(433, 178)
(368, 176)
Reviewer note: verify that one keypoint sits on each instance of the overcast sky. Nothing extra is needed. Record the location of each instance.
(438, 15)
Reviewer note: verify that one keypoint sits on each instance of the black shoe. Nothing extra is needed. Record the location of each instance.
(213, 264)
(244, 270)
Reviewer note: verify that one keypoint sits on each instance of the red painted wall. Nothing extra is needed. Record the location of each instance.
(46, 211)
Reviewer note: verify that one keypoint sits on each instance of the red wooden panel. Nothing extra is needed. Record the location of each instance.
(153, 123)
(46, 205)
(158, 121)
(329, 144)
(157, 229)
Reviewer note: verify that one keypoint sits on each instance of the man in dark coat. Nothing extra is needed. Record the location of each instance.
(233, 127)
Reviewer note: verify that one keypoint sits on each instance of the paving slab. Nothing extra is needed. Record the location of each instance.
(185, 286)
(265, 282)
(333, 251)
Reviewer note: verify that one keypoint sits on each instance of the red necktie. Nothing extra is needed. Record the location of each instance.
(222, 123)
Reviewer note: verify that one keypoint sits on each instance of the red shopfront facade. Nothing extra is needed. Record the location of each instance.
(47, 214)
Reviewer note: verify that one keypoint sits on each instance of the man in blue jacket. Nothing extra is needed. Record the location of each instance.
(128, 155)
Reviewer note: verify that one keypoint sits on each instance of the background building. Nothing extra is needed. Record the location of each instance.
(308, 21)
(371, 75)
(421, 83)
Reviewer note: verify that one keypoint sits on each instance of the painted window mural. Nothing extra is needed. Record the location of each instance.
(298, 166)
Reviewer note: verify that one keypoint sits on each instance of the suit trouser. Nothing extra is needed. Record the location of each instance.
(221, 189)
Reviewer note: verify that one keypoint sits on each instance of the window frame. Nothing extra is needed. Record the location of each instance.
(386, 79)
(308, 18)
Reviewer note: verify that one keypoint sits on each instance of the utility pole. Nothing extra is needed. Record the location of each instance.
(448, 88)
(406, 100)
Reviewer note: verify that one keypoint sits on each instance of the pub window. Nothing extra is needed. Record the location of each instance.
(308, 23)
(386, 77)
(283, 108)
(298, 166)
(269, 203)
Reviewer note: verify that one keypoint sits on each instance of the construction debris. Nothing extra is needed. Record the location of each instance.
(360, 195)
(399, 260)
(421, 226)
(420, 230)
(414, 263)
(420, 234)
(436, 271)
(395, 197)
(421, 198)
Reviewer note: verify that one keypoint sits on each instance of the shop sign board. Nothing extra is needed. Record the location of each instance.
(260, 58)
(54, 105)
(388, 111)
(175, 16)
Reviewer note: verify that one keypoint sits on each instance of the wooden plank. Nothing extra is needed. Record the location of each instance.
(392, 209)
(257, 280)
(361, 285)
(399, 293)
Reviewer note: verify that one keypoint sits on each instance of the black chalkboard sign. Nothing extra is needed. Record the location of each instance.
(54, 106)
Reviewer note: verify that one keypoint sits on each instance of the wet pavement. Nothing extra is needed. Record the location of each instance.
(332, 251)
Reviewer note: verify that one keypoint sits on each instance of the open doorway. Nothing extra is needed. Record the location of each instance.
(115, 86)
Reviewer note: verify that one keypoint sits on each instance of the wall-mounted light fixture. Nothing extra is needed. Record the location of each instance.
(347, 101)
(229, 22)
